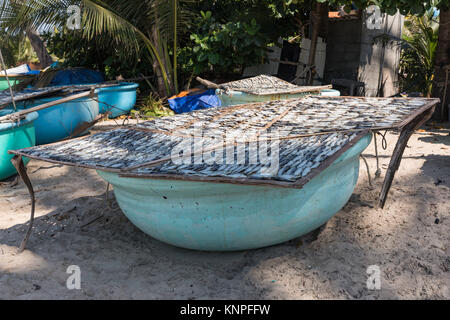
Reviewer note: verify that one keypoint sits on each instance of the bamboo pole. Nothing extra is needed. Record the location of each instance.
(7, 78)
(208, 84)
(17, 115)
(315, 19)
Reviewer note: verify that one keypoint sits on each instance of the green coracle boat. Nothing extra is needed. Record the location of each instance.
(14, 135)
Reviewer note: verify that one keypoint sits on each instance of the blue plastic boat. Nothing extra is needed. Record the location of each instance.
(61, 121)
(119, 100)
(219, 216)
(14, 136)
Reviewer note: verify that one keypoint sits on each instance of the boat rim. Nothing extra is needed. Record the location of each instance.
(54, 98)
(119, 87)
(9, 125)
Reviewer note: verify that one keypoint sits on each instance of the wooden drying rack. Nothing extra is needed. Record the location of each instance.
(406, 127)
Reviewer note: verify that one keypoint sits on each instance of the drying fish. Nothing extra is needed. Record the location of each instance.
(289, 167)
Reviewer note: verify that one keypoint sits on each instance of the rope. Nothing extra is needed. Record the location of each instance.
(378, 172)
(368, 171)
(383, 140)
(109, 105)
(383, 145)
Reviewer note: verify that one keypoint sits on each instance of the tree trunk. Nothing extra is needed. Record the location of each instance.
(442, 61)
(162, 89)
(40, 48)
(319, 23)
(159, 80)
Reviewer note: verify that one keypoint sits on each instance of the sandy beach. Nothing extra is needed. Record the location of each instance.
(77, 223)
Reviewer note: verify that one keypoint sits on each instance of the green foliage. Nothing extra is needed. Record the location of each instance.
(16, 50)
(413, 7)
(228, 35)
(223, 47)
(92, 54)
(118, 36)
(277, 18)
(130, 26)
(151, 107)
(417, 58)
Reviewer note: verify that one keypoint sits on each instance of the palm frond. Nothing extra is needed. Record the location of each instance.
(129, 25)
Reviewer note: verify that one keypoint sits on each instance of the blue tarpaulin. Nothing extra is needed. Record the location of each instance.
(207, 99)
(76, 76)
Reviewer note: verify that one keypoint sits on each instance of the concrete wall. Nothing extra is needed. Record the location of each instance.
(343, 50)
(319, 61)
(378, 63)
(271, 67)
(353, 55)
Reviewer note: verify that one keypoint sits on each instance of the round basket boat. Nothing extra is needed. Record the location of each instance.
(231, 98)
(222, 216)
(330, 93)
(119, 100)
(63, 120)
(15, 135)
(13, 80)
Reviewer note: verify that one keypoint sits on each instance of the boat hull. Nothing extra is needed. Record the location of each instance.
(223, 217)
(330, 93)
(232, 98)
(14, 137)
(119, 100)
(12, 80)
(61, 121)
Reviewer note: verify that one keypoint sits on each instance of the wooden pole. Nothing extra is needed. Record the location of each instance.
(17, 161)
(402, 141)
(444, 98)
(208, 84)
(315, 22)
(19, 114)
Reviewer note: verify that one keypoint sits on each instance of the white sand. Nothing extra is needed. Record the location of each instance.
(119, 261)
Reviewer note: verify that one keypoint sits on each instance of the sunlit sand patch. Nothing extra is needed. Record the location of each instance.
(13, 262)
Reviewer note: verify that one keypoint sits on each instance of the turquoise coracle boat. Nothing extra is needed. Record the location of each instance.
(222, 216)
(264, 88)
(61, 121)
(15, 136)
(256, 187)
(232, 98)
(13, 80)
(119, 100)
(330, 93)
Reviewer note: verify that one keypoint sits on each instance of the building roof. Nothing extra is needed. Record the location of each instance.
(341, 15)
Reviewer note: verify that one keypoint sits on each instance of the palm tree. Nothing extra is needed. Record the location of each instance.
(442, 64)
(131, 24)
(39, 48)
(420, 41)
(16, 49)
